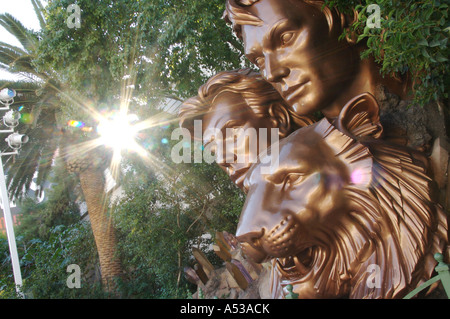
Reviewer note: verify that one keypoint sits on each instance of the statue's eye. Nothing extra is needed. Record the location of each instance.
(286, 37)
(293, 179)
(259, 62)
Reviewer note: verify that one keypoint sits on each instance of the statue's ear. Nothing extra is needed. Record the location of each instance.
(287, 120)
(360, 117)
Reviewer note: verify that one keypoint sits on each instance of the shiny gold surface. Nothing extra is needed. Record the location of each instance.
(344, 213)
(296, 46)
(340, 204)
(239, 99)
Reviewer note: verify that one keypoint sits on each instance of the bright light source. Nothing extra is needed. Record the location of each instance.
(118, 132)
(76, 124)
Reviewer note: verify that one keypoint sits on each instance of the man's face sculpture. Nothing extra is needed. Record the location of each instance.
(335, 208)
(300, 54)
(231, 112)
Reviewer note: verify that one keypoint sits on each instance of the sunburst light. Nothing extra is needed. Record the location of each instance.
(118, 132)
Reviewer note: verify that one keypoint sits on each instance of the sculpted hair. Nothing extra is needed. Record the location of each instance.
(393, 221)
(398, 206)
(237, 15)
(259, 94)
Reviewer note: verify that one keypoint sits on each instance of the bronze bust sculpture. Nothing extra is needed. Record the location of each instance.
(340, 203)
(342, 200)
(296, 46)
(239, 99)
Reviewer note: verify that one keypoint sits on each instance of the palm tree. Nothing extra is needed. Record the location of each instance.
(89, 166)
(41, 99)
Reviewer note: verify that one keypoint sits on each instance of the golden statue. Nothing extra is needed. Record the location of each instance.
(296, 46)
(239, 99)
(344, 214)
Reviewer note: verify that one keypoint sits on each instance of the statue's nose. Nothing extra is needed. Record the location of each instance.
(250, 230)
(251, 237)
(251, 245)
(251, 223)
(255, 218)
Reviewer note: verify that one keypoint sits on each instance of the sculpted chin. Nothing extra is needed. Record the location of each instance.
(340, 204)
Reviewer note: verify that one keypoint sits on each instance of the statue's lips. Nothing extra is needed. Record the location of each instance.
(295, 92)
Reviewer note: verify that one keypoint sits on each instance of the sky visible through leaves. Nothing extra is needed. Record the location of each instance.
(24, 12)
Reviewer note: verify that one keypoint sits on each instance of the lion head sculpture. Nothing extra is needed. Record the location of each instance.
(344, 214)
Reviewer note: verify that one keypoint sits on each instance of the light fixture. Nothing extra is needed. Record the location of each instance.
(7, 96)
(11, 119)
(16, 140)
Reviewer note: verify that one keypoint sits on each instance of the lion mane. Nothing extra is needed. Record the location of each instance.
(394, 222)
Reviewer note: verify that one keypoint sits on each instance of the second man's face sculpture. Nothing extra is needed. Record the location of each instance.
(230, 111)
(299, 52)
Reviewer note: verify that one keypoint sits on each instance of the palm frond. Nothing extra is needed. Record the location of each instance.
(22, 86)
(9, 56)
(26, 37)
(39, 100)
(21, 169)
(12, 47)
(35, 157)
(48, 153)
(18, 63)
(39, 10)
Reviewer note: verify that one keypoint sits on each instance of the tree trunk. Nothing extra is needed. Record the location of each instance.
(89, 166)
(92, 184)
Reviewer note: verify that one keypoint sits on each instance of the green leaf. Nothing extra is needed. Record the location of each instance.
(434, 43)
(425, 53)
(441, 58)
(423, 42)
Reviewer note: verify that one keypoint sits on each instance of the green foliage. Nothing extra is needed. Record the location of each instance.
(163, 48)
(134, 52)
(44, 264)
(38, 102)
(163, 213)
(49, 238)
(195, 43)
(412, 41)
(7, 288)
(59, 208)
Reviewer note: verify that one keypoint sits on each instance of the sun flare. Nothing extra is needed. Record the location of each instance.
(118, 132)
